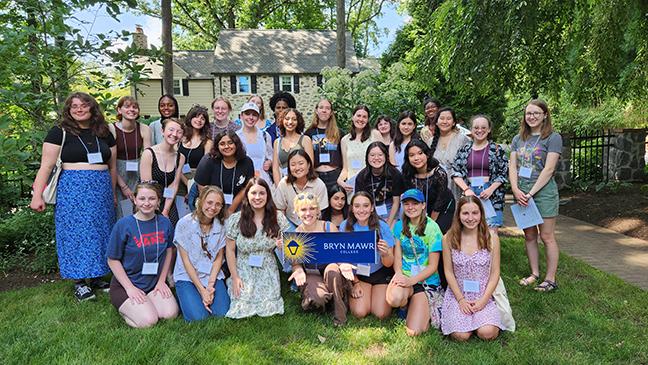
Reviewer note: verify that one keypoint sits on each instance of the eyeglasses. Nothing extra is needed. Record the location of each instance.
(534, 114)
(308, 196)
(203, 246)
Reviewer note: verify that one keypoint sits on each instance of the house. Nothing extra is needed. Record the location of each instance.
(246, 62)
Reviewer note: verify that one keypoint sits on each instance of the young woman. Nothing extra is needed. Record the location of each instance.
(471, 259)
(162, 163)
(385, 128)
(354, 146)
(481, 169)
(320, 284)
(196, 144)
(416, 259)
(85, 210)
(291, 126)
(534, 155)
(168, 108)
(405, 131)
(252, 236)
(279, 102)
(447, 141)
(221, 107)
(325, 135)
(227, 167)
(431, 107)
(200, 239)
(370, 280)
(338, 209)
(422, 171)
(131, 138)
(383, 181)
(258, 144)
(301, 178)
(262, 122)
(139, 255)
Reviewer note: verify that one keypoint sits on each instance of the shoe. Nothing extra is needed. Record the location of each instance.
(98, 284)
(546, 286)
(529, 280)
(82, 292)
(401, 313)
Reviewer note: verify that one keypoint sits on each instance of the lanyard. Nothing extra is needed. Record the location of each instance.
(157, 242)
(86, 148)
(373, 190)
(233, 177)
(165, 167)
(472, 159)
(126, 145)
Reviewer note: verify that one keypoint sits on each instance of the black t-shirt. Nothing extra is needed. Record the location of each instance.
(192, 155)
(209, 173)
(74, 150)
(381, 188)
(322, 145)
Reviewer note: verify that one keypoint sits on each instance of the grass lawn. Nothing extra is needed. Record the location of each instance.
(593, 318)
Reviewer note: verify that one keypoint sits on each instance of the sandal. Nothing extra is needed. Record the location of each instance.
(529, 280)
(546, 286)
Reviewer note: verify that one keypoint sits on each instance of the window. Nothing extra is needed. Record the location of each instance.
(177, 87)
(286, 83)
(243, 85)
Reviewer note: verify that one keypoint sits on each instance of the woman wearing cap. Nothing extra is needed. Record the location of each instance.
(258, 143)
(263, 123)
(291, 126)
(325, 135)
(417, 253)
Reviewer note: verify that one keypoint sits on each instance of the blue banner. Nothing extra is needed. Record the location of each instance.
(328, 247)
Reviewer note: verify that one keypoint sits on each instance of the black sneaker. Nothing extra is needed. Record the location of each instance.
(98, 284)
(83, 292)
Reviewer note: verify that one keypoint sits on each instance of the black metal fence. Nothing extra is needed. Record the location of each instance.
(590, 155)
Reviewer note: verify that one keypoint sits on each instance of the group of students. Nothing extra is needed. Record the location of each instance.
(247, 181)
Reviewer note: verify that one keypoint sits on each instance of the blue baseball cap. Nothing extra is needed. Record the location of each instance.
(414, 194)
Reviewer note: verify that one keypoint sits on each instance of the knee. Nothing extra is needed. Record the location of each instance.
(488, 333)
(548, 238)
(168, 311)
(144, 320)
(460, 336)
(396, 299)
(381, 313)
(359, 311)
(416, 331)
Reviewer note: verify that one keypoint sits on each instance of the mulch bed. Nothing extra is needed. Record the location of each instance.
(18, 279)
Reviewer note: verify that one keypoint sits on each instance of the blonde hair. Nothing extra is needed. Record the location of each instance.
(305, 199)
(332, 130)
(198, 213)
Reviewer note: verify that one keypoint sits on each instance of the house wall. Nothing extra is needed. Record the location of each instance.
(200, 92)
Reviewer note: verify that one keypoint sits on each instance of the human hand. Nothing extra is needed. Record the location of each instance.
(400, 280)
(520, 197)
(486, 194)
(37, 203)
(237, 286)
(347, 271)
(383, 247)
(356, 292)
(346, 186)
(465, 306)
(299, 276)
(165, 213)
(163, 289)
(126, 191)
(136, 295)
(477, 305)
(469, 192)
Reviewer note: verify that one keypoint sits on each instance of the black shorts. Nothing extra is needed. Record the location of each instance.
(118, 294)
(382, 276)
(418, 288)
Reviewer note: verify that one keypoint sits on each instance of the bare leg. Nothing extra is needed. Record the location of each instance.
(361, 306)
(488, 332)
(418, 315)
(460, 336)
(548, 236)
(139, 315)
(531, 242)
(397, 296)
(167, 308)
(379, 306)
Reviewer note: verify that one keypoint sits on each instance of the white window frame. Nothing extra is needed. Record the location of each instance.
(238, 84)
(179, 87)
(292, 83)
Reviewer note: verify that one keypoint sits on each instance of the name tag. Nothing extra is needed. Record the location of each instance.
(381, 209)
(204, 267)
(284, 171)
(356, 165)
(364, 270)
(229, 198)
(132, 165)
(168, 193)
(255, 260)
(525, 172)
(477, 181)
(181, 206)
(324, 157)
(150, 268)
(415, 270)
(470, 286)
(95, 157)
(186, 168)
(331, 146)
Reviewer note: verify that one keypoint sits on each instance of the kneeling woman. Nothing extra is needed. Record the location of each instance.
(370, 284)
(320, 283)
(417, 253)
(200, 239)
(251, 238)
(139, 255)
(471, 256)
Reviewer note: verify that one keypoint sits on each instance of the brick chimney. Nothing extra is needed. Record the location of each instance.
(139, 38)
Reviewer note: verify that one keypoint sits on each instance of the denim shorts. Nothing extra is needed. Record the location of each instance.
(498, 219)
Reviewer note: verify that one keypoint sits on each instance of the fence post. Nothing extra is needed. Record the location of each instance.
(627, 155)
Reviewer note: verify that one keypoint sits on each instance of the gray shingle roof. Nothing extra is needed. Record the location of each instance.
(198, 64)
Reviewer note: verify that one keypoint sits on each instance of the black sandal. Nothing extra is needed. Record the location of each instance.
(546, 286)
(529, 280)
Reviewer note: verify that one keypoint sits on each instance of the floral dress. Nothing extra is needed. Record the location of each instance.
(261, 293)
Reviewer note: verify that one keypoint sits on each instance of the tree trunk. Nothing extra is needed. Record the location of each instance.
(341, 35)
(36, 78)
(167, 44)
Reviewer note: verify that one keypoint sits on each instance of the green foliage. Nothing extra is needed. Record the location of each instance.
(27, 241)
(644, 189)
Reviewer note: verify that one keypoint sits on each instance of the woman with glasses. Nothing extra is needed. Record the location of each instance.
(200, 239)
(535, 152)
(222, 108)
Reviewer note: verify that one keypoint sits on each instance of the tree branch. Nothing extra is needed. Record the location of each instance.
(187, 12)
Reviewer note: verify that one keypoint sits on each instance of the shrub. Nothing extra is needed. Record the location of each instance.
(27, 241)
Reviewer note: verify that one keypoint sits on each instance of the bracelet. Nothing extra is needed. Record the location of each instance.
(459, 301)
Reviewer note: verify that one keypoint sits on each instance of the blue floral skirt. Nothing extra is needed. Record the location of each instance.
(83, 217)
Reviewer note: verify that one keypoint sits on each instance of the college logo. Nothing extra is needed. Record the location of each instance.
(298, 247)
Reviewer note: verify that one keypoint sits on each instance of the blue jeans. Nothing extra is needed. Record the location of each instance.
(191, 302)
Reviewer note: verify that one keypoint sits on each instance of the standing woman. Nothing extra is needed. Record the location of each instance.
(262, 123)
(370, 281)
(291, 126)
(131, 138)
(386, 129)
(534, 155)
(422, 171)
(139, 255)
(200, 239)
(471, 259)
(195, 144)
(417, 253)
(85, 210)
(405, 131)
(279, 102)
(221, 107)
(382, 181)
(354, 146)
(257, 142)
(431, 107)
(446, 143)
(168, 108)
(325, 135)
(338, 209)
(227, 167)
(252, 236)
(162, 163)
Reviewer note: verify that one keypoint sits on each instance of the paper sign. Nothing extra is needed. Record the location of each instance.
(528, 216)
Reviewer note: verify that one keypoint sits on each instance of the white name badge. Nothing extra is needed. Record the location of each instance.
(168, 193)
(525, 172)
(205, 267)
(471, 286)
(477, 181)
(255, 260)
(284, 171)
(381, 210)
(186, 168)
(229, 198)
(95, 157)
(324, 157)
(356, 165)
(415, 270)
(364, 270)
(132, 166)
(150, 268)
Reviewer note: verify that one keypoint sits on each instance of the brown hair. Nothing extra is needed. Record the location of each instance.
(374, 220)
(223, 99)
(300, 121)
(546, 128)
(126, 100)
(420, 227)
(490, 124)
(151, 185)
(196, 111)
(270, 224)
(198, 213)
(366, 132)
(97, 120)
(332, 130)
(483, 233)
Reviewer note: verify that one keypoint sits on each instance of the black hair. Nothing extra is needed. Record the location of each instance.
(176, 114)
(328, 212)
(398, 136)
(408, 170)
(437, 133)
(240, 149)
(311, 175)
(285, 96)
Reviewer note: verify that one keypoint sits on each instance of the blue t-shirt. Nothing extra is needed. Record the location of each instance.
(431, 241)
(384, 234)
(127, 246)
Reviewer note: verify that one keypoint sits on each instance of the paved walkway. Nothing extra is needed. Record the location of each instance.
(606, 250)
